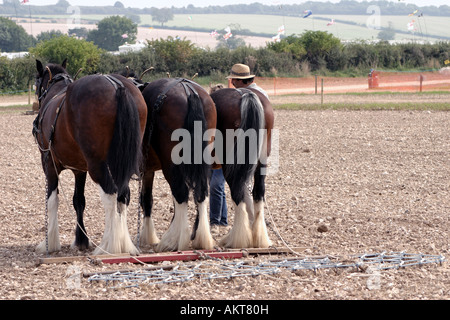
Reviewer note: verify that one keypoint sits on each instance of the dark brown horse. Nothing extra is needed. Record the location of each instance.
(245, 121)
(178, 139)
(94, 125)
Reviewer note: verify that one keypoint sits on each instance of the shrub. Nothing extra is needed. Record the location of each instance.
(16, 74)
(79, 53)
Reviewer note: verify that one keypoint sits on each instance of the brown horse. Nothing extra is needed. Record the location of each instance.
(245, 121)
(94, 125)
(178, 139)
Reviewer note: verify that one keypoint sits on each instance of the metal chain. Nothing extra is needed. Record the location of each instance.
(138, 236)
(209, 269)
(46, 203)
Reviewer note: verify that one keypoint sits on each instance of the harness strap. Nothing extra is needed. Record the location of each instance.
(163, 95)
(55, 79)
(37, 123)
(187, 85)
(243, 91)
(114, 81)
(58, 110)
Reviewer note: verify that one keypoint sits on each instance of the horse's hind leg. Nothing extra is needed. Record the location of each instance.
(52, 235)
(177, 237)
(259, 229)
(201, 236)
(123, 202)
(240, 235)
(79, 203)
(147, 233)
(116, 238)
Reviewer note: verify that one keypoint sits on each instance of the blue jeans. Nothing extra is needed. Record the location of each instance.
(217, 201)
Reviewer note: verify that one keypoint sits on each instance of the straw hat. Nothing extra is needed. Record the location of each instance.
(240, 71)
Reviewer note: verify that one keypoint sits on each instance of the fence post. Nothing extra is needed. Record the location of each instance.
(321, 95)
(275, 86)
(315, 84)
(421, 80)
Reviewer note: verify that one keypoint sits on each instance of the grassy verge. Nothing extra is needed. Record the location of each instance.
(15, 109)
(394, 93)
(431, 106)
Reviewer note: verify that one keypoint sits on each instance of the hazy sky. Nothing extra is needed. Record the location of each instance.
(203, 3)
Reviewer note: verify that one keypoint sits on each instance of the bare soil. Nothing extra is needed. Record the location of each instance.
(347, 183)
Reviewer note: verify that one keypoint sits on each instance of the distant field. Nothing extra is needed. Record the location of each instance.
(426, 28)
(433, 27)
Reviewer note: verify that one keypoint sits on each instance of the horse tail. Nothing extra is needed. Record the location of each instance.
(195, 174)
(125, 154)
(246, 153)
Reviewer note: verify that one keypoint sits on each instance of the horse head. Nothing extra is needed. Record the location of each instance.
(216, 87)
(133, 77)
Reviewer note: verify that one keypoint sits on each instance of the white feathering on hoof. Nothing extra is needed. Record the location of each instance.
(260, 235)
(203, 238)
(240, 235)
(177, 236)
(148, 235)
(53, 228)
(116, 238)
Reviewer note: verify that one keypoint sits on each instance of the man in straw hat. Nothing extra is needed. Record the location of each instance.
(240, 77)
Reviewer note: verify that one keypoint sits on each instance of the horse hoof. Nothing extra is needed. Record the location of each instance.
(42, 248)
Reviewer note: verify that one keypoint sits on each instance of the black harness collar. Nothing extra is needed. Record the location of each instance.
(37, 123)
(59, 77)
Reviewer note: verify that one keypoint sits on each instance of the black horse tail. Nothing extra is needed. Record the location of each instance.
(247, 142)
(125, 154)
(196, 172)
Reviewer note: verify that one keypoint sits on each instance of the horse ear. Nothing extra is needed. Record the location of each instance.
(64, 63)
(39, 67)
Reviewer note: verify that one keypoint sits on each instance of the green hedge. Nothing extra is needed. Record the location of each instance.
(182, 59)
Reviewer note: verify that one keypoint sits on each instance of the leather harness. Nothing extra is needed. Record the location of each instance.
(37, 123)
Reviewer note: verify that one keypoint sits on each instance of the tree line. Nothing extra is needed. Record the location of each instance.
(12, 7)
(313, 52)
(111, 32)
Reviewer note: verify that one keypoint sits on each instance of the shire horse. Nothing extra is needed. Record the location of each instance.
(178, 109)
(93, 125)
(243, 112)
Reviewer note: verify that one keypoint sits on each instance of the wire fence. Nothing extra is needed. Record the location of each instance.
(217, 269)
(13, 92)
(378, 80)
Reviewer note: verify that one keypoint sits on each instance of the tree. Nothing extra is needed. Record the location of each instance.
(387, 34)
(119, 4)
(162, 15)
(79, 53)
(113, 32)
(319, 46)
(79, 32)
(63, 3)
(172, 53)
(13, 38)
(231, 43)
(47, 35)
(291, 44)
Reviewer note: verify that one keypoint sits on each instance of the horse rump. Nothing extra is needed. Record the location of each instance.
(248, 142)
